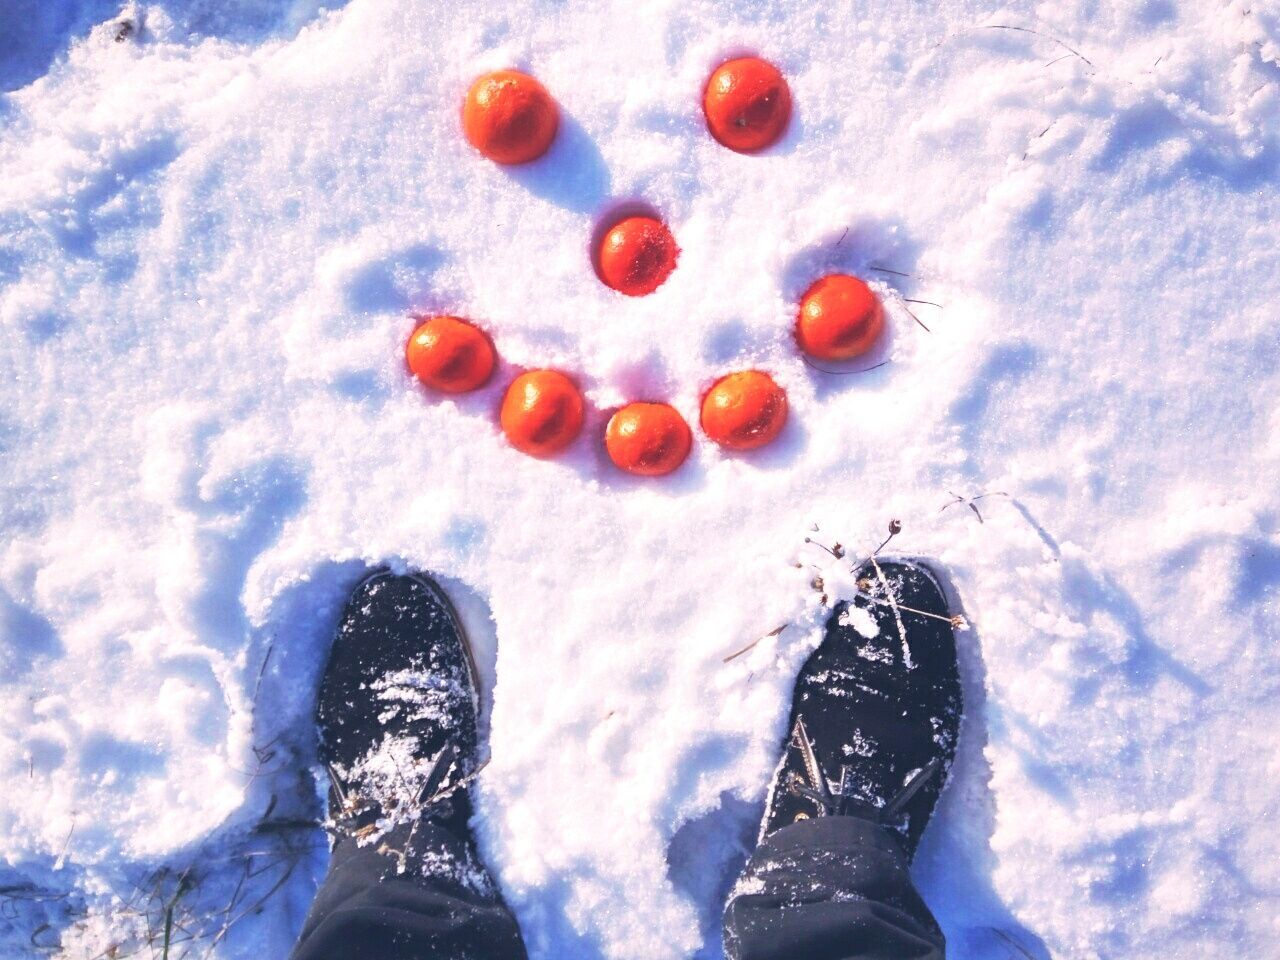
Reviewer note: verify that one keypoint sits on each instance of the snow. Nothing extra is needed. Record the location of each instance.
(213, 234)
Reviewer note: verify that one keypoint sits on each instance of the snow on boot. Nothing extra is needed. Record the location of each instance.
(876, 710)
(397, 716)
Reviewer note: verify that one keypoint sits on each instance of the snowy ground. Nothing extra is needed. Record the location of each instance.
(213, 232)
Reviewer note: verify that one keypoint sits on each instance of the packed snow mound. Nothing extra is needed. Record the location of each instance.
(213, 236)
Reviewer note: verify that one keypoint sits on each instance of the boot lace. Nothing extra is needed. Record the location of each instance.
(844, 800)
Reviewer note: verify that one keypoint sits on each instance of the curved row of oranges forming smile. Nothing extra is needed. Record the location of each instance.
(512, 119)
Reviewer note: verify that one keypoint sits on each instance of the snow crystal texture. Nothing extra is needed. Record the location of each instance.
(216, 222)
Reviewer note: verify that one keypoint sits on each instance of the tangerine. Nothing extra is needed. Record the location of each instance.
(744, 410)
(840, 318)
(648, 439)
(510, 117)
(542, 412)
(637, 255)
(450, 355)
(747, 104)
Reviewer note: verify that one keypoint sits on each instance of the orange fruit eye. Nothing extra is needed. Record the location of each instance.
(747, 104)
(450, 355)
(637, 255)
(840, 318)
(648, 439)
(509, 117)
(744, 410)
(542, 413)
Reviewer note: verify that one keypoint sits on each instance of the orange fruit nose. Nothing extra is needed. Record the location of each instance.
(637, 255)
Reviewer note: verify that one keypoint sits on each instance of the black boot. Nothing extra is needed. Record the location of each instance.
(397, 712)
(398, 722)
(876, 712)
(873, 730)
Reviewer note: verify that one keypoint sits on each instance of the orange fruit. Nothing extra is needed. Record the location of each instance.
(744, 410)
(450, 355)
(840, 318)
(637, 255)
(648, 439)
(509, 117)
(542, 412)
(747, 104)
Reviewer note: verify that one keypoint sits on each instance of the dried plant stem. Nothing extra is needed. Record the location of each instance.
(752, 645)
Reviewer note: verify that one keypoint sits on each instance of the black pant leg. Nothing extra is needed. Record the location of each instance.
(441, 906)
(830, 888)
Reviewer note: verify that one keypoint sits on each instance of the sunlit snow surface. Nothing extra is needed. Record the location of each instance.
(212, 235)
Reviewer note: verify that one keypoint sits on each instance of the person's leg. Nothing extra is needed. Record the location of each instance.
(397, 717)
(365, 909)
(873, 728)
(829, 888)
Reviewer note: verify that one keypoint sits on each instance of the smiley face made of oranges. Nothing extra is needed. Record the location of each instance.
(511, 119)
